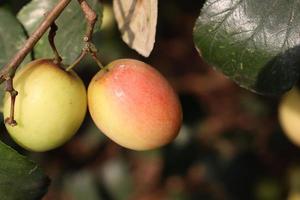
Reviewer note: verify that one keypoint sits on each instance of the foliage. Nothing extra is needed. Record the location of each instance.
(255, 43)
(20, 179)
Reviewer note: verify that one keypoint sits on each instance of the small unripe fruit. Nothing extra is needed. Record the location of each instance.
(289, 115)
(134, 105)
(49, 108)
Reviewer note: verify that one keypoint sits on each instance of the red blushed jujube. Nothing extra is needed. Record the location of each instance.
(134, 105)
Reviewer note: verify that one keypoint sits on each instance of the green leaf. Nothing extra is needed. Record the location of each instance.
(253, 42)
(12, 37)
(71, 27)
(20, 179)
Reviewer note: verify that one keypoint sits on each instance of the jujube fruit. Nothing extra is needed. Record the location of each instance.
(49, 108)
(134, 105)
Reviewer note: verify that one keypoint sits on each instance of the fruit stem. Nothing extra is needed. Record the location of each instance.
(88, 48)
(96, 59)
(94, 51)
(80, 57)
(51, 37)
(13, 94)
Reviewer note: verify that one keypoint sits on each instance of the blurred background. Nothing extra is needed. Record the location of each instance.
(229, 147)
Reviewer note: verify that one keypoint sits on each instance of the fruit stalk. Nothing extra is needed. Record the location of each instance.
(51, 37)
(13, 94)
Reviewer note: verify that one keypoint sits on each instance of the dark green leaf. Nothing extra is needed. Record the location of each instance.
(253, 42)
(12, 37)
(20, 179)
(71, 27)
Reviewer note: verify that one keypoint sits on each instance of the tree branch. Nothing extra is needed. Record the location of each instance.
(91, 18)
(9, 70)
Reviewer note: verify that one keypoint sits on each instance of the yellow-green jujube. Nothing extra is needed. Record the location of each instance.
(50, 106)
(134, 105)
(289, 115)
